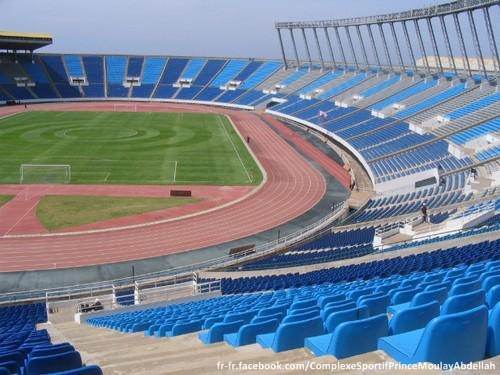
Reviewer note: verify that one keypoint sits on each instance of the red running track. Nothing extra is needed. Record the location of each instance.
(292, 187)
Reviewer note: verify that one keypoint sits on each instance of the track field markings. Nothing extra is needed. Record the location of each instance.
(221, 123)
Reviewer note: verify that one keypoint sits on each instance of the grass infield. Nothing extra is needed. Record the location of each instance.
(126, 148)
(64, 211)
(4, 199)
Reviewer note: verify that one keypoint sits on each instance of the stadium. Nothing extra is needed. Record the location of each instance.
(334, 210)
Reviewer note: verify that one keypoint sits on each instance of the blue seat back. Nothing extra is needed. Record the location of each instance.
(300, 317)
(404, 295)
(465, 280)
(247, 333)
(86, 370)
(54, 363)
(444, 284)
(488, 274)
(14, 355)
(493, 341)
(305, 310)
(463, 302)
(245, 316)
(292, 335)
(490, 282)
(375, 305)
(465, 288)
(303, 303)
(331, 309)
(459, 337)
(257, 319)
(357, 337)
(216, 333)
(273, 310)
(42, 352)
(493, 296)
(412, 318)
(338, 317)
(428, 296)
(188, 327)
(323, 300)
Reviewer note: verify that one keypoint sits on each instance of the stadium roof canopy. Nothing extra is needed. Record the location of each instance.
(10, 40)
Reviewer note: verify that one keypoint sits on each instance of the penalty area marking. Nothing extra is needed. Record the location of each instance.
(234, 148)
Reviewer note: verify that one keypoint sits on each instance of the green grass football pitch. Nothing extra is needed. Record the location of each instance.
(125, 148)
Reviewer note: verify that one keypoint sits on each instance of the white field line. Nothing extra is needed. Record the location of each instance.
(175, 170)
(2, 118)
(234, 148)
(158, 222)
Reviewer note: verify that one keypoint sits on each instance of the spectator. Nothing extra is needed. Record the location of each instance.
(424, 212)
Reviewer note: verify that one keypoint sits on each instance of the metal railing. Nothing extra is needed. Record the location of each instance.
(380, 231)
(101, 288)
(111, 301)
(475, 209)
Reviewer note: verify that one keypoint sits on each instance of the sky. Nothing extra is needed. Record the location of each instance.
(236, 28)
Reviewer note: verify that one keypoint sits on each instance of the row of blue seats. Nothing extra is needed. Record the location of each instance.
(474, 106)
(295, 259)
(431, 155)
(149, 70)
(421, 262)
(488, 127)
(452, 182)
(26, 350)
(436, 201)
(338, 239)
(349, 318)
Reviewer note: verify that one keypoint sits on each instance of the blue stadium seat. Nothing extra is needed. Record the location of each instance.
(247, 334)
(375, 305)
(413, 317)
(291, 335)
(493, 296)
(86, 370)
(350, 338)
(493, 343)
(463, 302)
(338, 317)
(54, 363)
(218, 330)
(421, 298)
(448, 339)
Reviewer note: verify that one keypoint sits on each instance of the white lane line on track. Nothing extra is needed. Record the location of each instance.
(234, 148)
(116, 246)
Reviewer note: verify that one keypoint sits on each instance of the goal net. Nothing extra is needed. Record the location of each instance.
(45, 174)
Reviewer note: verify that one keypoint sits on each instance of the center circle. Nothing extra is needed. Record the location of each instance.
(94, 134)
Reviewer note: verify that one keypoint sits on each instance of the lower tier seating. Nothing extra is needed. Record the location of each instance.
(439, 307)
(26, 350)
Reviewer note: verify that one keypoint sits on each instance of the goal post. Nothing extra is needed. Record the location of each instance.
(45, 174)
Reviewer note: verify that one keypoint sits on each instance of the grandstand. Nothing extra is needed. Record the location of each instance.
(372, 236)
